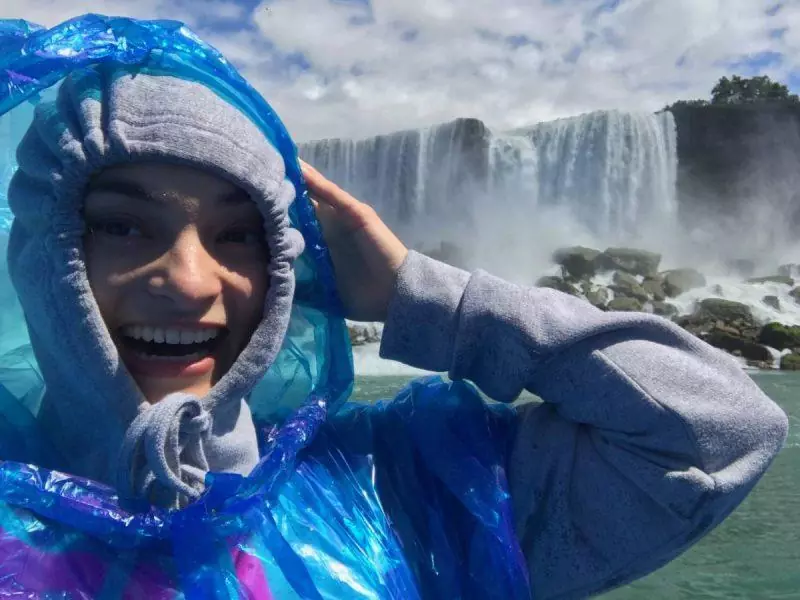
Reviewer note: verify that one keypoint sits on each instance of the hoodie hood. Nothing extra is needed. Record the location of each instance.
(92, 411)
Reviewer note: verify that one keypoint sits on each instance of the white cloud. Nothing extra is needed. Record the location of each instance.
(407, 63)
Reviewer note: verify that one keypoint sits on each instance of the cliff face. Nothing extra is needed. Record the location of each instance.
(734, 160)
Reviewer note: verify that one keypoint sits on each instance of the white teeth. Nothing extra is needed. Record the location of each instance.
(170, 335)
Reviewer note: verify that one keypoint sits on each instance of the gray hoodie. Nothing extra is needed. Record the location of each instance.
(647, 438)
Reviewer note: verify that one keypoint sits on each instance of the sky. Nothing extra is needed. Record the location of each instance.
(355, 68)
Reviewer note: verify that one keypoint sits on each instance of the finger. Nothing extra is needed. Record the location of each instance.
(326, 214)
(327, 192)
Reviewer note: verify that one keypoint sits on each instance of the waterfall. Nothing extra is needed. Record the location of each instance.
(411, 178)
(503, 200)
(615, 171)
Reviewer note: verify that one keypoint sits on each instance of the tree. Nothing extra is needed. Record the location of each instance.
(741, 90)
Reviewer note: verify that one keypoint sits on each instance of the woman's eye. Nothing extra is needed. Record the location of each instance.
(116, 229)
(249, 238)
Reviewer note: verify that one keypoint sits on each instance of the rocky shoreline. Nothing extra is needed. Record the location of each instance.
(629, 279)
(636, 284)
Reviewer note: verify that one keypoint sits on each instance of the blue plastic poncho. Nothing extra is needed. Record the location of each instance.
(396, 500)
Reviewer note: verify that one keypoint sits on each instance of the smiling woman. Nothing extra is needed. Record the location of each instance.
(143, 202)
(177, 261)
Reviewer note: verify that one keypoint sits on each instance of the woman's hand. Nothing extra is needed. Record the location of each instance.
(366, 254)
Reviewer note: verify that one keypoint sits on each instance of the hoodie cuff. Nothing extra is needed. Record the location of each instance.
(420, 329)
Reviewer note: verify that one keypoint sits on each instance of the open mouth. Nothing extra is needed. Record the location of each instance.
(177, 343)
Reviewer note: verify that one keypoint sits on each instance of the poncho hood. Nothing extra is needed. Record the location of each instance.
(97, 420)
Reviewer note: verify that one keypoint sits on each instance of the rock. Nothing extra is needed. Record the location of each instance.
(625, 305)
(720, 326)
(577, 261)
(779, 336)
(654, 289)
(364, 333)
(763, 365)
(630, 260)
(727, 311)
(598, 297)
(790, 270)
(749, 350)
(678, 281)
(714, 314)
(772, 301)
(627, 285)
(625, 279)
(664, 309)
(556, 283)
(741, 266)
(795, 293)
(790, 362)
(773, 279)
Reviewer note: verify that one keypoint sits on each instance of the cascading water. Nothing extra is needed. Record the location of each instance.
(504, 202)
(616, 171)
(414, 179)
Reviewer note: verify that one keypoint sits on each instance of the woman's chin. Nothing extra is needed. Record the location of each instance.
(155, 391)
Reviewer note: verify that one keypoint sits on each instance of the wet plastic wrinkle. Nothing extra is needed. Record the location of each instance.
(318, 516)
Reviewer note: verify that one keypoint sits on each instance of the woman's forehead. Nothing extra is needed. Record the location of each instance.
(165, 183)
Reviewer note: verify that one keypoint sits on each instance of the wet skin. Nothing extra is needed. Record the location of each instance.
(175, 254)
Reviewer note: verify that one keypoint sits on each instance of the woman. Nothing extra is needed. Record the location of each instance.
(153, 253)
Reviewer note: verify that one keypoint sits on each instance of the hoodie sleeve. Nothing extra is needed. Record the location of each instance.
(647, 437)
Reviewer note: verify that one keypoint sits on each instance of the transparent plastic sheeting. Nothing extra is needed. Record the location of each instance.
(401, 500)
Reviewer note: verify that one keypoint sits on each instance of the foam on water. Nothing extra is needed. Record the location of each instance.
(750, 294)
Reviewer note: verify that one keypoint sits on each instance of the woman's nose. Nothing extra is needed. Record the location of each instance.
(187, 274)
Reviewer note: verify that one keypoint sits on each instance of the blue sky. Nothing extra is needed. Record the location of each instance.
(359, 67)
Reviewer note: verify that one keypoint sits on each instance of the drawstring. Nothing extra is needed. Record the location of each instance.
(162, 454)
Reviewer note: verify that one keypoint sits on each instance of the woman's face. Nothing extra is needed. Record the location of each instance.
(177, 262)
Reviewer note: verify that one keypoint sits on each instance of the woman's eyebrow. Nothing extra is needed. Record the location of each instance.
(131, 189)
(238, 196)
